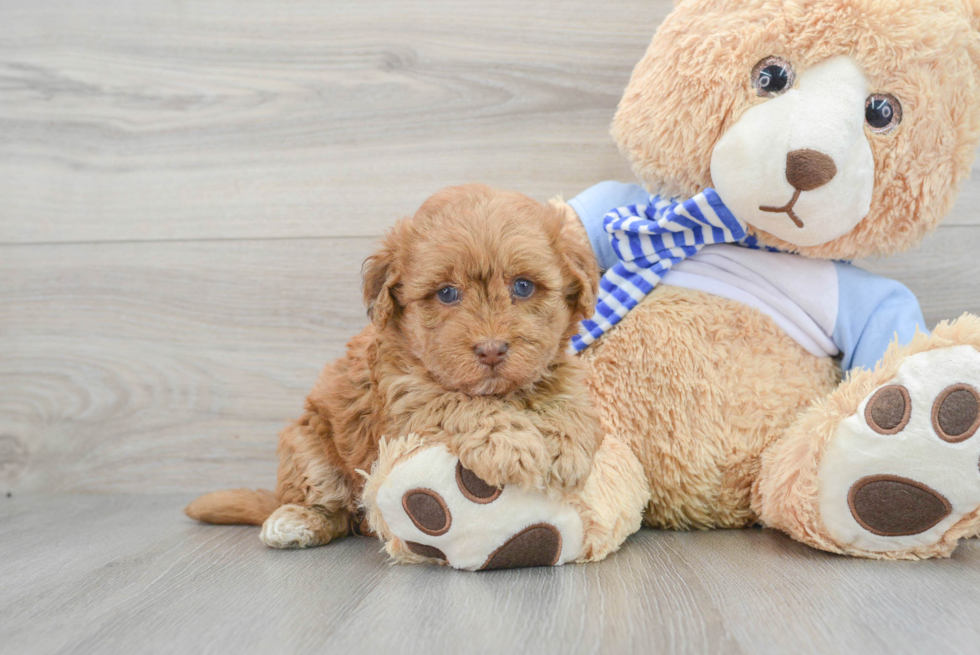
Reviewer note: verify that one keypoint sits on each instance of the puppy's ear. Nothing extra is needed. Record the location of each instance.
(380, 275)
(583, 286)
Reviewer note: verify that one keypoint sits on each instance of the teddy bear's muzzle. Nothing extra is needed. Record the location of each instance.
(806, 170)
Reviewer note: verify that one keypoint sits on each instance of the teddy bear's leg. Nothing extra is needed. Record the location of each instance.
(428, 508)
(888, 466)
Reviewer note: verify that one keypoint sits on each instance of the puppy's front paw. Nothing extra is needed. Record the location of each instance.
(508, 458)
(572, 467)
(288, 527)
(295, 526)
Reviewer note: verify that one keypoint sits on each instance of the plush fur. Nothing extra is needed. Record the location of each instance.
(416, 369)
(711, 384)
(728, 415)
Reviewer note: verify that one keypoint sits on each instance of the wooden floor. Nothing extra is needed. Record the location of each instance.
(129, 574)
(187, 190)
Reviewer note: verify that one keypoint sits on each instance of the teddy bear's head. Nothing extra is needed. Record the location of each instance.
(834, 128)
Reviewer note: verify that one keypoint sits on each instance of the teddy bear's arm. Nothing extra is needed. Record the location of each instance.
(873, 311)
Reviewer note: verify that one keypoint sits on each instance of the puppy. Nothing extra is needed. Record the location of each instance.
(472, 303)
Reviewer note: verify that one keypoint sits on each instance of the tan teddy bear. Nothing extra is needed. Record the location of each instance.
(755, 375)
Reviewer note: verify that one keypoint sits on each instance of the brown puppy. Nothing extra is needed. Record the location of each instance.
(472, 303)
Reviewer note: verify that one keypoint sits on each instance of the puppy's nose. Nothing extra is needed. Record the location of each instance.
(808, 169)
(490, 353)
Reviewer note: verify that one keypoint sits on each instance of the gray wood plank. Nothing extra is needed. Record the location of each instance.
(126, 367)
(159, 120)
(97, 574)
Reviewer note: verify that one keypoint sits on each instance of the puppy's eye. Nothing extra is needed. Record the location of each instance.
(772, 76)
(448, 295)
(883, 112)
(523, 288)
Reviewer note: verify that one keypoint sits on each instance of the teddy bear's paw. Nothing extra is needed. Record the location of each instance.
(440, 510)
(902, 475)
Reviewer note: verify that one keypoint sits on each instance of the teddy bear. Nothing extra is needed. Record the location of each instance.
(745, 371)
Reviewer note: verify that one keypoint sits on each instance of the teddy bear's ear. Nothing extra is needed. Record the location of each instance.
(380, 275)
(973, 15)
(973, 12)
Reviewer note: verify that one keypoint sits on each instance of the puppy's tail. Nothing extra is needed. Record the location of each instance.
(234, 507)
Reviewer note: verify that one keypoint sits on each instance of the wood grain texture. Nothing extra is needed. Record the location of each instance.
(158, 119)
(128, 367)
(101, 574)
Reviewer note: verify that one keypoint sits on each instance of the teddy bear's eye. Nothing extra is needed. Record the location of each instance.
(772, 76)
(883, 112)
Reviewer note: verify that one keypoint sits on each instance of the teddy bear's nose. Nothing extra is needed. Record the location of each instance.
(809, 169)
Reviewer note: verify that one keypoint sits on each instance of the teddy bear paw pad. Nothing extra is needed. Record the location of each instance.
(442, 510)
(905, 468)
(538, 545)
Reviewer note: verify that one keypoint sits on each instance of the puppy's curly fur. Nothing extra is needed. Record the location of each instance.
(524, 420)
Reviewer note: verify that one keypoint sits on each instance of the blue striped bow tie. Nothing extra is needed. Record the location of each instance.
(649, 240)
